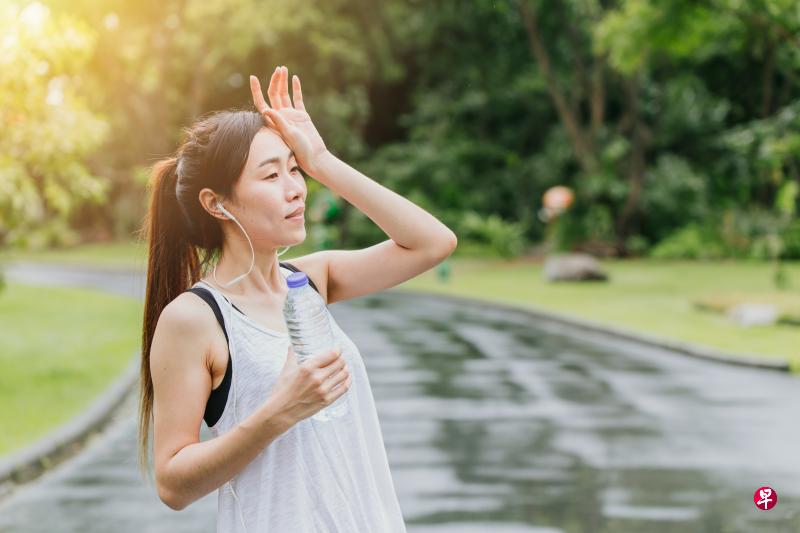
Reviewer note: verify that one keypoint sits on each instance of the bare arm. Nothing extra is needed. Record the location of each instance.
(417, 240)
(188, 469)
(197, 469)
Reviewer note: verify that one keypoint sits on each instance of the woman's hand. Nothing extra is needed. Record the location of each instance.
(305, 388)
(290, 120)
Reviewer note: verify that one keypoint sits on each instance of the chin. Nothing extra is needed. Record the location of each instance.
(300, 241)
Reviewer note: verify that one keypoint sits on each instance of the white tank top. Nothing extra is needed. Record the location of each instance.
(317, 477)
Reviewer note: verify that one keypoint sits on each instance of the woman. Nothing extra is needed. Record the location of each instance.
(226, 197)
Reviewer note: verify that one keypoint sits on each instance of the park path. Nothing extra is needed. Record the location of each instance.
(495, 421)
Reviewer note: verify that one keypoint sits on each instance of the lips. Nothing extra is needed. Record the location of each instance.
(297, 211)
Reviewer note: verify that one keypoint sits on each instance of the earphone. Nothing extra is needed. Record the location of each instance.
(232, 336)
(252, 251)
(229, 308)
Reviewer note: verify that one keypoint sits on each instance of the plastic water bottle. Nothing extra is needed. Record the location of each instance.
(310, 332)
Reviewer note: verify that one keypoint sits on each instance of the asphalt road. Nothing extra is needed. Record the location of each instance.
(494, 421)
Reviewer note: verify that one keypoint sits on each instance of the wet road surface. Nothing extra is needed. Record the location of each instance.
(494, 421)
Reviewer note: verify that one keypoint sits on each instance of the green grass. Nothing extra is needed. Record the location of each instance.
(657, 298)
(60, 348)
(123, 255)
(106, 255)
(650, 297)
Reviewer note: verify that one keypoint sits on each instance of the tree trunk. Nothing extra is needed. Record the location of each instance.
(569, 118)
(637, 164)
(768, 79)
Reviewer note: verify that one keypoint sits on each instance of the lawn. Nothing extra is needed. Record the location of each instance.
(651, 297)
(60, 348)
(107, 255)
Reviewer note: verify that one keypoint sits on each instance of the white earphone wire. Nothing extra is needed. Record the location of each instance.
(252, 252)
(232, 342)
(231, 347)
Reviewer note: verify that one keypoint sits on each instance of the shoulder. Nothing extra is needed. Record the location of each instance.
(315, 265)
(184, 331)
(186, 313)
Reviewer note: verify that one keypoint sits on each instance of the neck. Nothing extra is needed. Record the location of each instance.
(265, 277)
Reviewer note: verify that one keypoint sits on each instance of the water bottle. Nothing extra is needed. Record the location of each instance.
(310, 332)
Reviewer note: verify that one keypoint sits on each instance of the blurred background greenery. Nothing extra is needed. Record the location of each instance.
(676, 122)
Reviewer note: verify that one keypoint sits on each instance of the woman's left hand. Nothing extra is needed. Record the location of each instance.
(290, 120)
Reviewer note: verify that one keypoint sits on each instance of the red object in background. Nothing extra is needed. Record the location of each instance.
(558, 198)
(555, 201)
(765, 498)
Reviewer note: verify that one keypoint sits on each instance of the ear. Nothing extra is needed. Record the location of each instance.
(212, 204)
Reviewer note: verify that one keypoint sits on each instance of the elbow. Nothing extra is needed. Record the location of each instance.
(170, 498)
(439, 248)
(447, 246)
(453, 243)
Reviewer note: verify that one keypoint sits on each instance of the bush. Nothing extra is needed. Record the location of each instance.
(791, 240)
(751, 234)
(505, 238)
(690, 242)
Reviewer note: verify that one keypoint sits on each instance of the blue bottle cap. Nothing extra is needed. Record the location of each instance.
(297, 279)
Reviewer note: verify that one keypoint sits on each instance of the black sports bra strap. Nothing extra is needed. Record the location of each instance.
(218, 397)
(206, 295)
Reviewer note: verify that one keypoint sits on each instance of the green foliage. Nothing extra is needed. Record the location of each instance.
(790, 237)
(745, 234)
(690, 242)
(50, 128)
(674, 194)
(641, 107)
(504, 238)
(639, 29)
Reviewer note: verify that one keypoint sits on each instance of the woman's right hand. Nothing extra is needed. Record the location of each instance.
(305, 388)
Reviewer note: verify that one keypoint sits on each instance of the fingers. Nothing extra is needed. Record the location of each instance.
(337, 380)
(339, 390)
(297, 94)
(258, 97)
(284, 88)
(326, 358)
(258, 100)
(273, 90)
(334, 368)
(281, 124)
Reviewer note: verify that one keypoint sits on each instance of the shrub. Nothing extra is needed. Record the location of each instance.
(690, 242)
(505, 238)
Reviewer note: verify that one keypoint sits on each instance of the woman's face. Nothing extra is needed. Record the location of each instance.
(270, 187)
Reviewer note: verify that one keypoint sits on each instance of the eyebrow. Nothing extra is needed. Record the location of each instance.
(274, 160)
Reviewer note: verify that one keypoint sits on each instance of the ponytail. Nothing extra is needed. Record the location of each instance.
(182, 238)
(173, 266)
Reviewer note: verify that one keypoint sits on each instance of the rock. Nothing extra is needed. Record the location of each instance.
(573, 267)
(750, 314)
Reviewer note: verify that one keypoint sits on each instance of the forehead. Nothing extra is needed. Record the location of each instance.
(266, 145)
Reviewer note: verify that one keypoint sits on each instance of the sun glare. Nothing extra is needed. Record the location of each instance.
(34, 15)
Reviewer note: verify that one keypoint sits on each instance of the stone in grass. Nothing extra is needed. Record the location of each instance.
(573, 267)
(752, 314)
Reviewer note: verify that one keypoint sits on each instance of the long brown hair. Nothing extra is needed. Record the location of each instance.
(183, 238)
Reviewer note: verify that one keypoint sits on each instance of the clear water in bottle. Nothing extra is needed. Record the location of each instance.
(310, 332)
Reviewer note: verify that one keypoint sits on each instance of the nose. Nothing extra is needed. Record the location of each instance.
(296, 187)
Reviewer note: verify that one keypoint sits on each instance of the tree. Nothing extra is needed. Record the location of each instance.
(49, 128)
